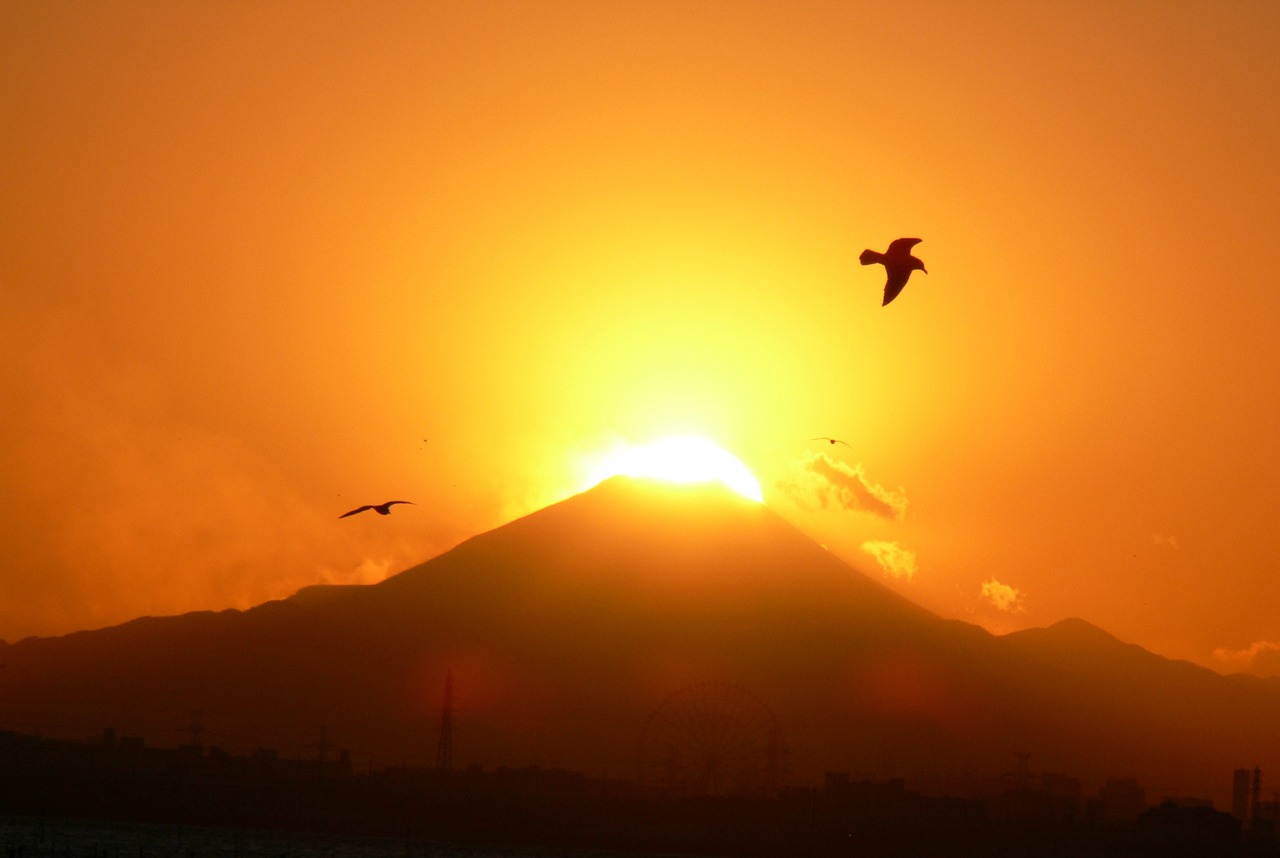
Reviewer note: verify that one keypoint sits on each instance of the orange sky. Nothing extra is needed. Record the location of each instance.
(264, 262)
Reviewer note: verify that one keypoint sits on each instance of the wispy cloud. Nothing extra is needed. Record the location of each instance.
(893, 558)
(1260, 657)
(826, 482)
(1003, 596)
(125, 507)
(1166, 541)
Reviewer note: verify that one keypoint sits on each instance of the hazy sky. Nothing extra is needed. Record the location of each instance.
(265, 262)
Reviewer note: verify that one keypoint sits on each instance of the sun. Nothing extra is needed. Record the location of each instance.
(680, 459)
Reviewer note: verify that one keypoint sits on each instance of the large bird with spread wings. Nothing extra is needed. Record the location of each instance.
(379, 508)
(898, 262)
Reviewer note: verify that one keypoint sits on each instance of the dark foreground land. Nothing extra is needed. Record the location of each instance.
(122, 799)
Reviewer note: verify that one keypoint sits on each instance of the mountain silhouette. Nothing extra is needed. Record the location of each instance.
(568, 631)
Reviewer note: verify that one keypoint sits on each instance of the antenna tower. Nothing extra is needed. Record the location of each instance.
(444, 750)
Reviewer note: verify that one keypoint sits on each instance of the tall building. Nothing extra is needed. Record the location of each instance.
(1255, 795)
(444, 750)
(1240, 795)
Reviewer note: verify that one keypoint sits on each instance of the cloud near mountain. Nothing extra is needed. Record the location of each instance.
(827, 482)
(1260, 657)
(154, 509)
(1003, 596)
(892, 557)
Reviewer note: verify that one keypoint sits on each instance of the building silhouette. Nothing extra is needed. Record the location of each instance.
(444, 749)
(118, 777)
(1255, 796)
(1240, 795)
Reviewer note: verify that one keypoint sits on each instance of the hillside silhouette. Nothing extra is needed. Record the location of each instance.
(565, 631)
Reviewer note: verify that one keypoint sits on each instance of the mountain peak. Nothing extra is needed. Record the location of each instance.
(1076, 629)
(651, 535)
(1071, 635)
(620, 499)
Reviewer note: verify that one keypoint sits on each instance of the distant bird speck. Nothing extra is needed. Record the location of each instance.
(898, 262)
(832, 441)
(379, 508)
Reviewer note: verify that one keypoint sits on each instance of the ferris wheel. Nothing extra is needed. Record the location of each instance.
(712, 739)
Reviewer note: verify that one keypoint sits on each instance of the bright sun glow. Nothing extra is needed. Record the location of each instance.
(681, 459)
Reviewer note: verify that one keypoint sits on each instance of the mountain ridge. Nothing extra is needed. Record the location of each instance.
(565, 628)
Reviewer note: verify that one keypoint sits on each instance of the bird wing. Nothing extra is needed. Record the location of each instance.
(892, 286)
(902, 246)
(356, 510)
(389, 503)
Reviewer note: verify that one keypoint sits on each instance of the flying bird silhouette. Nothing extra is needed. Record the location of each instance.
(832, 441)
(379, 508)
(898, 262)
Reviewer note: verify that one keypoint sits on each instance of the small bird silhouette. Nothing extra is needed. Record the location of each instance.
(898, 262)
(379, 508)
(832, 441)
